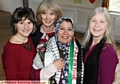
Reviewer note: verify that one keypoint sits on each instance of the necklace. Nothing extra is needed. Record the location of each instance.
(26, 43)
(28, 46)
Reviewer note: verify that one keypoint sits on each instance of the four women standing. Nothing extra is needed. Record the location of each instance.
(62, 60)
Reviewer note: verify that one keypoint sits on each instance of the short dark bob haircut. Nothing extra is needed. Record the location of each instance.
(17, 16)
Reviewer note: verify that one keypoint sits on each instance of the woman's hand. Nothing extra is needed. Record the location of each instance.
(59, 63)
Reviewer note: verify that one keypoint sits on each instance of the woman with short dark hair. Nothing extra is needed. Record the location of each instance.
(19, 51)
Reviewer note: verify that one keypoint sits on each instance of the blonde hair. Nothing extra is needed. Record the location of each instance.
(108, 34)
(48, 5)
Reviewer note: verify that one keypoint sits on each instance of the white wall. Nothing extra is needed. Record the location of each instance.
(15, 3)
(85, 3)
(10, 5)
(5, 5)
(34, 4)
(78, 14)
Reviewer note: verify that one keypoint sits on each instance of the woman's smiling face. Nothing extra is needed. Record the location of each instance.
(98, 25)
(65, 32)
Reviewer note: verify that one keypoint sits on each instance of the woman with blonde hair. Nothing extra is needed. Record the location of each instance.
(47, 14)
(100, 57)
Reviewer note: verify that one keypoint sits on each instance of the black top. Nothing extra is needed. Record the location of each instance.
(37, 36)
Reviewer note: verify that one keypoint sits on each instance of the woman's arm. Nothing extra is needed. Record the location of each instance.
(108, 62)
(10, 64)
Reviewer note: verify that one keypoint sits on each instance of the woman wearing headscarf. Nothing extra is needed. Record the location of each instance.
(63, 57)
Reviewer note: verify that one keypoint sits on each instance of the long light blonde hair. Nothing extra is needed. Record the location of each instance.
(109, 32)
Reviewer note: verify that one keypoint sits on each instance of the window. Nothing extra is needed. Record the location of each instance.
(114, 6)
